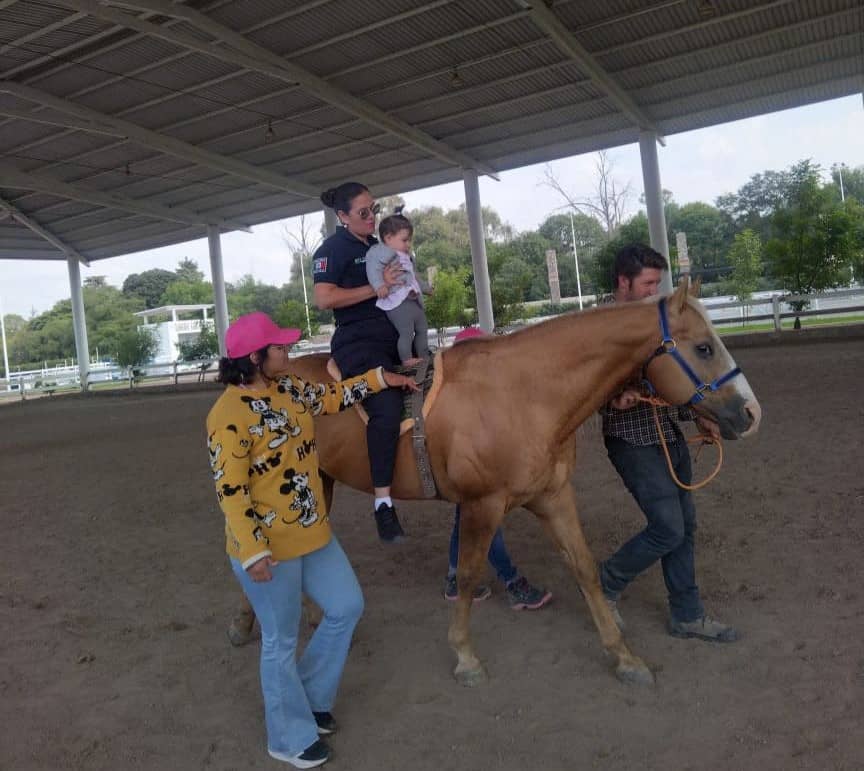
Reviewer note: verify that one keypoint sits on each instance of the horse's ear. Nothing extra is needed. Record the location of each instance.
(696, 287)
(679, 299)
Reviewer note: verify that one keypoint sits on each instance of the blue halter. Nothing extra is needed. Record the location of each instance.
(671, 347)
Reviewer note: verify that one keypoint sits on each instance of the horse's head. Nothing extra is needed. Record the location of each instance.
(692, 366)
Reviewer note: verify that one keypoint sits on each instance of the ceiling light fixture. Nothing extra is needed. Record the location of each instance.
(456, 79)
(269, 134)
(707, 9)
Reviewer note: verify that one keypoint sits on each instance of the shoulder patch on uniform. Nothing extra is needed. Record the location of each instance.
(319, 265)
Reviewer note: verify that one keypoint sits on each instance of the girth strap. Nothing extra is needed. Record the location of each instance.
(418, 433)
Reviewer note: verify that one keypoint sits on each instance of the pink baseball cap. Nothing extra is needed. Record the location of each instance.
(468, 333)
(255, 331)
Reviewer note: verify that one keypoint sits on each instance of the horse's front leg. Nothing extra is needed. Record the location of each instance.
(557, 512)
(477, 523)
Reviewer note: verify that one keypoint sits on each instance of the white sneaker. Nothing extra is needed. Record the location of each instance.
(316, 754)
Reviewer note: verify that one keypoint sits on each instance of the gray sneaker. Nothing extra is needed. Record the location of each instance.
(705, 628)
(451, 591)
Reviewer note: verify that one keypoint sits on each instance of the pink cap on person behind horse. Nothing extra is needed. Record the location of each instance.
(468, 333)
(255, 331)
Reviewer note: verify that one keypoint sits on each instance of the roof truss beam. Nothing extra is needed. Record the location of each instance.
(14, 177)
(242, 52)
(43, 232)
(176, 147)
(546, 20)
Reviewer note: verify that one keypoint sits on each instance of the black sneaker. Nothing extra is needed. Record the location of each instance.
(314, 755)
(326, 723)
(389, 529)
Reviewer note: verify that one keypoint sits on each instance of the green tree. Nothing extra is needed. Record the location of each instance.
(249, 295)
(853, 181)
(292, 313)
(815, 239)
(205, 346)
(188, 270)
(856, 213)
(590, 238)
(755, 203)
(187, 293)
(302, 245)
(745, 257)
(447, 305)
(13, 323)
(149, 286)
(709, 233)
(50, 337)
(633, 231)
(136, 347)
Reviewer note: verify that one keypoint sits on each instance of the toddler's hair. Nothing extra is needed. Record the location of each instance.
(394, 224)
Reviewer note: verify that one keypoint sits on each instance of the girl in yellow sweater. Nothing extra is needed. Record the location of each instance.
(261, 439)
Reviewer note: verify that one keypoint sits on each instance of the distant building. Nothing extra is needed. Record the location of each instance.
(170, 330)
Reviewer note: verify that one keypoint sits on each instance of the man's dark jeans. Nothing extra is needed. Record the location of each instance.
(671, 517)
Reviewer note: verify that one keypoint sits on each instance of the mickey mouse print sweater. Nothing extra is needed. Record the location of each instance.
(265, 463)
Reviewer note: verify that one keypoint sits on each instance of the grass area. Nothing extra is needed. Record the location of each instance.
(768, 326)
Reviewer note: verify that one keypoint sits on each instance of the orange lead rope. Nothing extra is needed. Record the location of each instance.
(701, 439)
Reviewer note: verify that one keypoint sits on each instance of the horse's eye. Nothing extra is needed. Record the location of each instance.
(704, 350)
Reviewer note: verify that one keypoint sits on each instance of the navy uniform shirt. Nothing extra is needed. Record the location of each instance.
(341, 260)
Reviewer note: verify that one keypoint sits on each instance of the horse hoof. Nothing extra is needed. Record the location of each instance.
(635, 674)
(471, 678)
(239, 636)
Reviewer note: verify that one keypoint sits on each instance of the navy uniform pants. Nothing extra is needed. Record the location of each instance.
(359, 347)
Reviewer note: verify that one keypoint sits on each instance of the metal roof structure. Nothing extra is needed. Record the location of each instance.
(131, 124)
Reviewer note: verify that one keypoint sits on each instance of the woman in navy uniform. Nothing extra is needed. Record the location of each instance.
(364, 336)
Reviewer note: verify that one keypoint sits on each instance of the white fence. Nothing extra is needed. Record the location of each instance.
(776, 306)
(764, 306)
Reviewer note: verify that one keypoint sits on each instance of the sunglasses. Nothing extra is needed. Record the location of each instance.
(369, 211)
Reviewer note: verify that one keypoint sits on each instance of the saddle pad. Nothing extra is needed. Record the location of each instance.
(407, 422)
(415, 408)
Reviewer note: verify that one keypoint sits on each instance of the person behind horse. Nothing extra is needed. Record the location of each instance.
(364, 336)
(403, 303)
(261, 440)
(634, 447)
(521, 594)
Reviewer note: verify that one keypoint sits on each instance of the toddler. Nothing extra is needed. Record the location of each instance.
(403, 303)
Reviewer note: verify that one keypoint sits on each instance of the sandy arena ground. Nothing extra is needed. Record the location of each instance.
(115, 595)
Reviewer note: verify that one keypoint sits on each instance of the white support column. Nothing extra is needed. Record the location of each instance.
(654, 201)
(79, 324)
(220, 300)
(476, 232)
(331, 221)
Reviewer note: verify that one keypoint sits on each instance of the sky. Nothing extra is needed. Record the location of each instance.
(696, 166)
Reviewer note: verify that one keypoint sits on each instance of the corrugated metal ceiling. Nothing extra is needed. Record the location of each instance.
(479, 75)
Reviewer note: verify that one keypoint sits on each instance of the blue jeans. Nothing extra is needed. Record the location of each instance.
(671, 528)
(499, 559)
(292, 690)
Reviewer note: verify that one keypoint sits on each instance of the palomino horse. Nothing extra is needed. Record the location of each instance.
(501, 433)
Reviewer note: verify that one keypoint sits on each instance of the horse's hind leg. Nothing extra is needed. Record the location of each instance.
(558, 514)
(477, 523)
(241, 629)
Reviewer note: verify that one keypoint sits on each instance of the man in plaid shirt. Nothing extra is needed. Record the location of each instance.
(633, 444)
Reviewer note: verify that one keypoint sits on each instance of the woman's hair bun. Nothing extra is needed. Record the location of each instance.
(328, 198)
